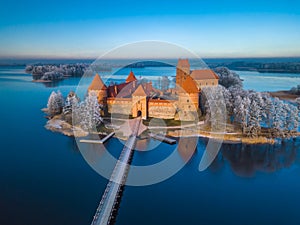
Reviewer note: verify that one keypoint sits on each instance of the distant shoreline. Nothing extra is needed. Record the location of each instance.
(284, 95)
(256, 64)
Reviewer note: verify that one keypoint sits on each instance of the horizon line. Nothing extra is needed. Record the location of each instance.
(146, 58)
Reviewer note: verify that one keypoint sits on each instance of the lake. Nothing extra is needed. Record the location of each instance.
(45, 180)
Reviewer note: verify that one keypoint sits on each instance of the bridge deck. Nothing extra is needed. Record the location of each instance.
(105, 211)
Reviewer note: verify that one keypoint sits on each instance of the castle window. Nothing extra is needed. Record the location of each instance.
(206, 83)
(212, 83)
(188, 100)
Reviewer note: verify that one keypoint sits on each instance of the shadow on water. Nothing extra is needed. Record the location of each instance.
(248, 160)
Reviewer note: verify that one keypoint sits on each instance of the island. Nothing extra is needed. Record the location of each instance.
(55, 72)
(204, 102)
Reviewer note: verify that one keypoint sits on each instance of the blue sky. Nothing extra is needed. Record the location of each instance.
(82, 29)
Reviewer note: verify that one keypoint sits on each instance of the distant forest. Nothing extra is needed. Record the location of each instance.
(273, 65)
(262, 67)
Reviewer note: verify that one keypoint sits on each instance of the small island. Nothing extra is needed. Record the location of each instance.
(55, 72)
(204, 102)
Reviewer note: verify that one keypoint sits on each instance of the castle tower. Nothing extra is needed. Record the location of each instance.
(182, 71)
(131, 77)
(100, 89)
(191, 91)
(188, 99)
(139, 103)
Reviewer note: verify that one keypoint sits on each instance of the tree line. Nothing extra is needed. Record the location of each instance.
(252, 111)
(85, 114)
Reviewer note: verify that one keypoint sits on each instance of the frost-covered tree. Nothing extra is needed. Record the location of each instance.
(72, 101)
(158, 83)
(245, 114)
(55, 103)
(277, 124)
(228, 102)
(268, 109)
(165, 82)
(254, 119)
(292, 118)
(228, 78)
(215, 108)
(257, 97)
(298, 102)
(87, 114)
(238, 109)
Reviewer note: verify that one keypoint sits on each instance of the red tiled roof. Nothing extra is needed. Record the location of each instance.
(204, 74)
(190, 85)
(131, 77)
(97, 84)
(115, 90)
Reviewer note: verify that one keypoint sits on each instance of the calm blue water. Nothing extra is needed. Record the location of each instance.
(45, 180)
(269, 81)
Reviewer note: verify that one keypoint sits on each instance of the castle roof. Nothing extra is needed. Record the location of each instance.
(204, 74)
(182, 63)
(131, 77)
(140, 91)
(97, 84)
(190, 85)
(115, 90)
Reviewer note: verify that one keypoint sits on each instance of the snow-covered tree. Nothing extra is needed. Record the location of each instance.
(215, 108)
(277, 124)
(254, 119)
(298, 102)
(245, 114)
(228, 78)
(292, 118)
(87, 114)
(55, 103)
(158, 83)
(165, 82)
(72, 101)
(268, 109)
(228, 101)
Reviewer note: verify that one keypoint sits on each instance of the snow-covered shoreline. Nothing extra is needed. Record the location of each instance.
(58, 125)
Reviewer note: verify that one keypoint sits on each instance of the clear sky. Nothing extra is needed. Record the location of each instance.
(82, 29)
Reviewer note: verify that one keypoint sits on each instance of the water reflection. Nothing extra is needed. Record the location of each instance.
(187, 147)
(143, 144)
(92, 152)
(247, 160)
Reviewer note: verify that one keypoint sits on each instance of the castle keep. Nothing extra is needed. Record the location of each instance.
(142, 99)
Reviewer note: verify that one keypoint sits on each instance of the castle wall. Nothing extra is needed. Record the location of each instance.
(119, 105)
(164, 109)
(188, 105)
(207, 83)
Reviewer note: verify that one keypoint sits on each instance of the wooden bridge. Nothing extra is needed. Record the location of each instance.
(106, 211)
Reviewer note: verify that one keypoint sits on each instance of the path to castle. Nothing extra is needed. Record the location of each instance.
(108, 206)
